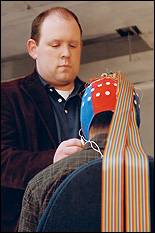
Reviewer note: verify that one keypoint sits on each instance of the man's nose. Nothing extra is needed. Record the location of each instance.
(65, 51)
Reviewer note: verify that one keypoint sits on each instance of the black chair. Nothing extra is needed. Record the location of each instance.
(76, 204)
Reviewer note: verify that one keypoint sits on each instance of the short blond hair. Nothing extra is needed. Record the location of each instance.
(61, 12)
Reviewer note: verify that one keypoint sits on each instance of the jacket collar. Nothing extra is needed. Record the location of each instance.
(33, 87)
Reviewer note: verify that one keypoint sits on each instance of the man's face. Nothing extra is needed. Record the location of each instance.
(58, 52)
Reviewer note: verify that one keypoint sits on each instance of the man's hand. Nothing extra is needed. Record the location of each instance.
(66, 148)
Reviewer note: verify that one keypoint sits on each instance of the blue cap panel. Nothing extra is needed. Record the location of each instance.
(87, 112)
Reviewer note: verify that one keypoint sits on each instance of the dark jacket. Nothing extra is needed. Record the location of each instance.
(28, 141)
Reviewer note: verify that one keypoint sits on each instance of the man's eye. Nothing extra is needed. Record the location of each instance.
(72, 46)
(55, 45)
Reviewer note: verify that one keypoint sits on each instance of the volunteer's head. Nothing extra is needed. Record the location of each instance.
(98, 105)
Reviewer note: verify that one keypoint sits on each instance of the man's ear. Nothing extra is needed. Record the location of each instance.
(32, 48)
(81, 44)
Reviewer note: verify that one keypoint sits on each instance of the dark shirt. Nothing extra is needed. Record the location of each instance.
(66, 112)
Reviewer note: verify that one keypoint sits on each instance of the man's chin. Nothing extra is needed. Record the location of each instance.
(65, 83)
(66, 78)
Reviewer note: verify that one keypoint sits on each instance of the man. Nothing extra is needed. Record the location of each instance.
(40, 112)
(95, 126)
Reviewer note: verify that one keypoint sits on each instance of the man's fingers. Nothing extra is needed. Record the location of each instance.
(72, 149)
(66, 148)
(73, 142)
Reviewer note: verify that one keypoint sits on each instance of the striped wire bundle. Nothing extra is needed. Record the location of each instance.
(125, 169)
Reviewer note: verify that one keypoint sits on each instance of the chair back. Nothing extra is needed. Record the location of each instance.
(76, 204)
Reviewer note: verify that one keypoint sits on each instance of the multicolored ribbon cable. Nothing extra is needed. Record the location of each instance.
(125, 169)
